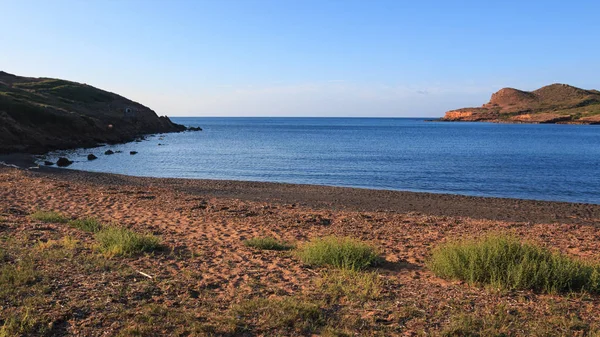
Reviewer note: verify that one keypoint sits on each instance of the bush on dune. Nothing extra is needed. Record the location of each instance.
(505, 262)
(343, 253)
(87, 224)
(49, 217)
(117, 241)
(267, 243)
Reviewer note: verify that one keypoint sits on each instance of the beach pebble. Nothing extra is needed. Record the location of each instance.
(91, 156)
(108, 152)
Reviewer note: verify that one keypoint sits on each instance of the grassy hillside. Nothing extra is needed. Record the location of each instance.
(42, 114)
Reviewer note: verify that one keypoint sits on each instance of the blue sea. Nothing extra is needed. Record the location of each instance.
(528, 161)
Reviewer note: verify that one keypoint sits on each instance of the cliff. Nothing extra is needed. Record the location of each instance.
(556, 103)
(43, 114)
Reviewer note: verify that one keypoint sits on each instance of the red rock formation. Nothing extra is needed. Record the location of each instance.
(556, 103)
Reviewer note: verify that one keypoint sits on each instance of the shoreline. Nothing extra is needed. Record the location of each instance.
(349, 198)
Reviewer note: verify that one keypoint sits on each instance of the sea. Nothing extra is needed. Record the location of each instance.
(526, 161)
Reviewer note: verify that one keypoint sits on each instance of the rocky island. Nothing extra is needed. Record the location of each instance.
(555, 103)
(38, 115)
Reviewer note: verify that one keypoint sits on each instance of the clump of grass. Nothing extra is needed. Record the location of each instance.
(117, 241)
(285, 313)
(267, 243)
(15, 275)
(86, 224)
(344, 253)
(49, 217)
(66, 242)
(505, 262)
(351, 284)
(22, 325)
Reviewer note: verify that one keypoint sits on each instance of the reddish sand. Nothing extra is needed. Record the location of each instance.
(207, 221)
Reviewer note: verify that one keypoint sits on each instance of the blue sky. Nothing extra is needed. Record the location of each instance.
(304, 58)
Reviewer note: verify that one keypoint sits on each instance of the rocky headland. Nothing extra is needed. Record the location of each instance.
(38, 115)
(555, 103)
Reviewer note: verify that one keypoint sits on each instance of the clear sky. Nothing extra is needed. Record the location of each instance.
(304, 58)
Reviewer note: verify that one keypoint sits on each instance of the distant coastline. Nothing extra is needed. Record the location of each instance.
(552, 104)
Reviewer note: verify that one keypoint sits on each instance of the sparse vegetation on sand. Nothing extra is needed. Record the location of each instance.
(507, 263)
(355, 286)
(49, 217)
(65, 280)
(344, 253)
(86, 224)
(14, 275)
(118, 241)
(286, 313)
(267, 243)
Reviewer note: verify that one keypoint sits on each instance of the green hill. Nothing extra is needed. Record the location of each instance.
(43, 114)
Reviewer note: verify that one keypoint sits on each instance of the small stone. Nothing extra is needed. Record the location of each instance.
(92, 157)
(109, 152)
(63, 162)
(132, 152)
(48, 163)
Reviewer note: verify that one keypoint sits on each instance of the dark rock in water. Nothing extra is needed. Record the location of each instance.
(48, 163)
(119, 151)
(109, 152)
(63, 162)
(132, 152)
(159, 144)
(194, 128)
(92, 157)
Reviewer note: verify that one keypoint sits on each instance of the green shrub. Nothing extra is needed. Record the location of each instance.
(285, 313)
(344, 253)
(506, 263)
(267, 243)
(117, 241)
(87, 224)
(49, 217)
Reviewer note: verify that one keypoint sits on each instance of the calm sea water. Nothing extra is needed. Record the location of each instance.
(544, 162)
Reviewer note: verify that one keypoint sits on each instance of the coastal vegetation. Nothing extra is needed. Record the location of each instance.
(49, 217)
(286, 313)
(118, 241)
(352, 285)
(507, 263)
(267, 243)
(344, 253)
(91, 225)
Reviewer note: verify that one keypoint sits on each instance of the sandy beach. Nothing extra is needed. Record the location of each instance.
(200, 283)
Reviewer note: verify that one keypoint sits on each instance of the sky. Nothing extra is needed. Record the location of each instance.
(370, 58)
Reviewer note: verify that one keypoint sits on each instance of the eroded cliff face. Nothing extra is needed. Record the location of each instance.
(556, 103)
(42, 114)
